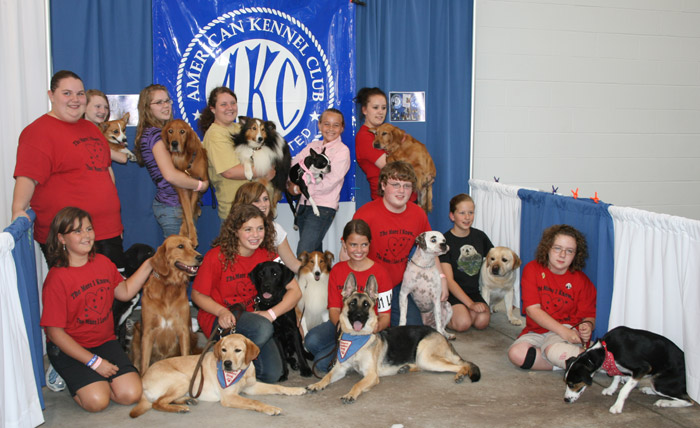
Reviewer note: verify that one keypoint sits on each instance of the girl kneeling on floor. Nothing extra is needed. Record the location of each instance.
(559, 302)
(246, 238)
(77, 298)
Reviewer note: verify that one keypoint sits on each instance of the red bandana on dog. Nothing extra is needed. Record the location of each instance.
(227, 378)
(349, 344)
(609, 363)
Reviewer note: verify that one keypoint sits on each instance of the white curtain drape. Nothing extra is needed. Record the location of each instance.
(497, 213)
(19, 403)
(657, 280)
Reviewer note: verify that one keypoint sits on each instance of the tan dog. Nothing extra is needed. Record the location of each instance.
(115, 133)
(188, 156)
(167, 381)
(497, 277)
(313, 281)
(165, 329)
(399, 145)
(391, 351)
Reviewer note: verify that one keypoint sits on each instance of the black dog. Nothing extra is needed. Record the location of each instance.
(270, 280)
(133, 259)
(629, 354)
(311, 168)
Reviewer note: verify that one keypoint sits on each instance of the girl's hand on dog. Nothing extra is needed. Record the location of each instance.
(106, 369)
(570, 335)
(226, 318)
(585, 330)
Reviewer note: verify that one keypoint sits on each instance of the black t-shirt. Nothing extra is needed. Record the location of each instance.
(466, 255)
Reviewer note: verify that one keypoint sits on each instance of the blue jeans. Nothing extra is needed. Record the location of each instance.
(320, 341)
(412, 312)
(312, 229)
(168, 217)
(268, 365)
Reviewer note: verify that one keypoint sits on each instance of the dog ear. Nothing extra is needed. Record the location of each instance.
(313, 152)
(397, 134)
(371, 287)
(350, 286)
(569, 362)
(516, 260)
(217, 348)
(159, 262)
(243, 120)
(303, 258)
(251, 351)
(420, 241)
(192, 139)
(330, 257)
(254, 273)
(287, 274)
(125, 118)
(373, 130)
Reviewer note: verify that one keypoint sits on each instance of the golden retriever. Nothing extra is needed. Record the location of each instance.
(165, 329)
(190, 157)
(228, 372)
(497, 277)
(399, 145)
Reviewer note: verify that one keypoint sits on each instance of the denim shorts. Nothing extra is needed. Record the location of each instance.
(168, 217)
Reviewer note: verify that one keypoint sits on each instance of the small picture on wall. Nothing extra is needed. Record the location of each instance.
(407, 106)
(120, 104)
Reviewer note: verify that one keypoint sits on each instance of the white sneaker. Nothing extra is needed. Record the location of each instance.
(54, 381)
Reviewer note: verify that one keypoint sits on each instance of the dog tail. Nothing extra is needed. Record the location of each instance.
(141, 408)
(473, 372)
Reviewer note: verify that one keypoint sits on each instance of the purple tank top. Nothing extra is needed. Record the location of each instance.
(165, 193)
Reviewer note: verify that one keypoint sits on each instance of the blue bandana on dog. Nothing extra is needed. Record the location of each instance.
(349, 344)
(226, 378)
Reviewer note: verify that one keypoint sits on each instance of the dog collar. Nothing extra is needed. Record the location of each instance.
(422, 267)
(227, 378)
(349, 344)
(609, 363)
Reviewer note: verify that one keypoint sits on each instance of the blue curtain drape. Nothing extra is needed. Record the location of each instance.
(109, 45)
(541, 210)
(23, 253)
(417, 45)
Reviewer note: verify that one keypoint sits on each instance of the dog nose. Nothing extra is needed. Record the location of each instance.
(199, 258)
(228, 364)
(174, 145)
(567, 400)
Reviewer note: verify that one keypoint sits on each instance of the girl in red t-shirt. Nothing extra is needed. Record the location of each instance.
(246, 238)
(373, 104)
(77, 297)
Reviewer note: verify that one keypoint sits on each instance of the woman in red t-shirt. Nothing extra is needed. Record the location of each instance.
(373, 104)
(246, 238)
(559, 302)
(77, 298)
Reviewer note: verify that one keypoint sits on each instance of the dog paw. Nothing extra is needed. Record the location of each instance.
(450, 336)
(271, 410)
(183, 409)
(191, 401)
(314, 388)
(515, 321)
(616, 409)
(647, 390)
(404, 369)
(347, 399)
(296, 391)
(305, 372)
(608, 391)
(459, 378)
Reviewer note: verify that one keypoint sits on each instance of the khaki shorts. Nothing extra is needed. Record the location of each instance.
(542, 341)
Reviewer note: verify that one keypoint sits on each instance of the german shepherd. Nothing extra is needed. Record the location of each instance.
(393, 350)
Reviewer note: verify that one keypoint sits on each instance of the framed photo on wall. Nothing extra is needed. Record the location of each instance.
(407, 106)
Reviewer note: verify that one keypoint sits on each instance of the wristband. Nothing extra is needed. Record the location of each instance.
(442, 275)
(92, 360)
(272, 314)
(97, 364)
(199, 185)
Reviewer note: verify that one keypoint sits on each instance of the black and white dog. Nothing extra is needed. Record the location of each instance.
(311, 168)
(629, 355)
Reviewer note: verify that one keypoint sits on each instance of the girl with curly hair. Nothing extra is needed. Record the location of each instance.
(559, 302)
(246, 239)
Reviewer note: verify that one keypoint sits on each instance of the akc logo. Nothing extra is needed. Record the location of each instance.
(273, 63)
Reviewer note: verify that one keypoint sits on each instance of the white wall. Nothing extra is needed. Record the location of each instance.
(600, 95)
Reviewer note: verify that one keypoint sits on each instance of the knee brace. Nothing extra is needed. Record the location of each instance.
(558, 353)
(529, 359)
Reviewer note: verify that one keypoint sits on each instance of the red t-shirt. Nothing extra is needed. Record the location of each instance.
(393, 235)
(227, 287)
(366, 156)
(79, 300)
(70, 162)
(339, 274)
(568, 298)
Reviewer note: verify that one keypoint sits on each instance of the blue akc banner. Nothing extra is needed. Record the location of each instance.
(286, 60)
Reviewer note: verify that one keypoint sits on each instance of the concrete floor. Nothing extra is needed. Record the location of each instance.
(504, 397)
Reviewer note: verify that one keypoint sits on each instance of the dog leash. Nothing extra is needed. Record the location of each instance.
(585, 344)
(333, 352)
(216, 334)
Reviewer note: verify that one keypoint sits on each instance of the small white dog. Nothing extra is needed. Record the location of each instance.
(313, 281)
(497, 278)
(422, 280)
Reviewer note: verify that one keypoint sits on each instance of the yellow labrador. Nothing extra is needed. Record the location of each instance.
(497, 277)
(228, 371)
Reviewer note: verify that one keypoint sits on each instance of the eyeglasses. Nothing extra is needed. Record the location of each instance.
(161, 102)
(569, 251)
(397, 186)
